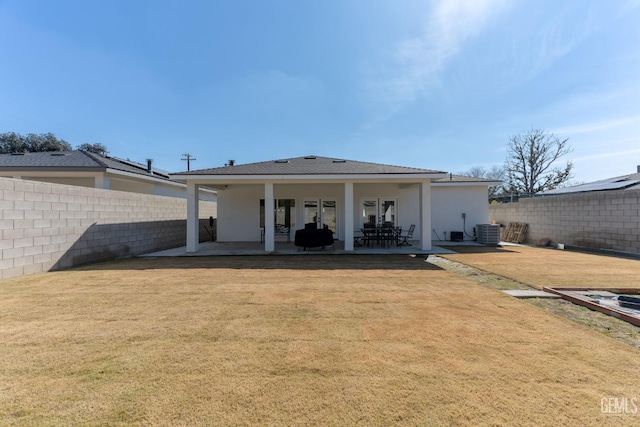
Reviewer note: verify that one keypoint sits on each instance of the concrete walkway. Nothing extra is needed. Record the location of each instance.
(530, 293)
(283, 248)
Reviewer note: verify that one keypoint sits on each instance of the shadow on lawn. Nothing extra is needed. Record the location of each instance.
(271, 262)
(478, 249)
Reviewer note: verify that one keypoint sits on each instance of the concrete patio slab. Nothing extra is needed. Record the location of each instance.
(283, 248)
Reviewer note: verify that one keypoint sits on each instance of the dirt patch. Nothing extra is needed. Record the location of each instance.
(483, 277)
(539, 267)
(300, 340)
(561, 267)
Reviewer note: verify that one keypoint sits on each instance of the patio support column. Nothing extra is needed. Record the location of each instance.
(193, 238)
(425, 215)
(348, 216)
(269, 218)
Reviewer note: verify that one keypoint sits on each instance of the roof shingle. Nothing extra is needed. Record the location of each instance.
(309, 165)
(49, 159)
(71, 160)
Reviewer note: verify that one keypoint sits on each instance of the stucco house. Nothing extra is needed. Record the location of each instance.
(85, 169)
(344, 195)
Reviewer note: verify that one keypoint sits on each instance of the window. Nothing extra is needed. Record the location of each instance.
(376, 212)
(388, 211)
(284, 214)
(369, 213)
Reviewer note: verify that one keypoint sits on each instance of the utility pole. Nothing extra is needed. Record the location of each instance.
(188, 157)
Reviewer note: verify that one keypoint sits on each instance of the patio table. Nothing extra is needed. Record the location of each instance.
(381, 235)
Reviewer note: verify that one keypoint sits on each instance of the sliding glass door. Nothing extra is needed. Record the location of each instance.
(322, 212)
(376, 212)
(284, 215)
(388, 211)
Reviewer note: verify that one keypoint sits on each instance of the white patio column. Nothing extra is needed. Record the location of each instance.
(269, 218)
(348, 216)
(193, 237)
(425, 215)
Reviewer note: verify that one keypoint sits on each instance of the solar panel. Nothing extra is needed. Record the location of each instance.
(596, 186)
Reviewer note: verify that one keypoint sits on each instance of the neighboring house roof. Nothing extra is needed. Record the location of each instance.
(73, 161)
(624, 182)
(129, 166)
(466, 180)
(57, 159)
(308, 165)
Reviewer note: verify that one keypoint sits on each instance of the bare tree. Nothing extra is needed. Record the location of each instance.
(476, 172)
(530, 159)
(495, 173)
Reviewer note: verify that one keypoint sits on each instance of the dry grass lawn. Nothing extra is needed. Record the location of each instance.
(539, 267)
(301, 340)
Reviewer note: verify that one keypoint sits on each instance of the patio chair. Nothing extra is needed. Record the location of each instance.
(404, 238)
(368, 234)
(387, 234)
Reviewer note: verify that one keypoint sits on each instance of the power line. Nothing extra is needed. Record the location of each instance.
(188, 157)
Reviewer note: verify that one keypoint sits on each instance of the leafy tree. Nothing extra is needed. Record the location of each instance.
(46, 142)
(12, 142)
(495, 172)
(96, 148)
(530, 159)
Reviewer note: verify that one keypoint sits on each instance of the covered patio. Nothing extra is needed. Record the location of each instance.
(326, 193)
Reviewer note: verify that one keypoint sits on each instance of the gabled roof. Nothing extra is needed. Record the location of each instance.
(624, 182)
(309, 165)
(73, 161)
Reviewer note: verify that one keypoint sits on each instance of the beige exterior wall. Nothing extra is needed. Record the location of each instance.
(596, 220)
(134, 183)
(51, 226)
(81, 181)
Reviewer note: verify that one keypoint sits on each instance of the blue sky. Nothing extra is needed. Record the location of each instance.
(431, 84)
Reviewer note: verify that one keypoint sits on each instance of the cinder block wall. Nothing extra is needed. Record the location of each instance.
(607, 220)
(52, 226)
